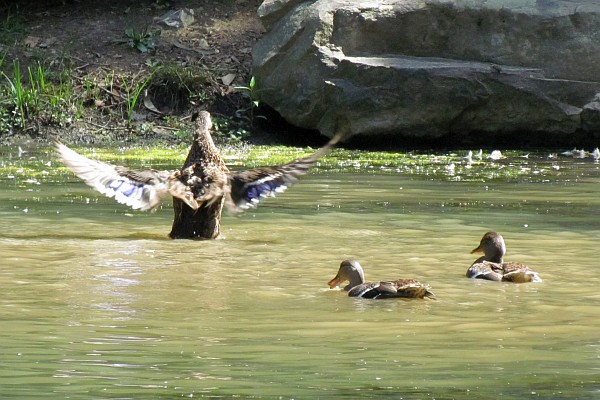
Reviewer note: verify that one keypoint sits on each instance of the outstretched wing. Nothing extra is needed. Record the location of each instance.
(248, 188)
(137, 188)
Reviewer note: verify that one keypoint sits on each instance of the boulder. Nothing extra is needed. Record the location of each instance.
(432, 69)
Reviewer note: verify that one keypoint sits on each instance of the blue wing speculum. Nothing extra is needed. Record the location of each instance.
(206, 181)
(250, 187)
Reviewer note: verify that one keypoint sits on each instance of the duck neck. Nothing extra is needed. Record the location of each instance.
(203, 149)
(357, 278)
(205, 141)
(495, 257)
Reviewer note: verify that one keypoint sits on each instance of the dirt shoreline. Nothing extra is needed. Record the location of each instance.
(88, 39)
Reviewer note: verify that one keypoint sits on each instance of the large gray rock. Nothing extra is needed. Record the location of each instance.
(433, 68)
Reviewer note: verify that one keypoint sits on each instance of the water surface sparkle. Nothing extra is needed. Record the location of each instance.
(98, 303)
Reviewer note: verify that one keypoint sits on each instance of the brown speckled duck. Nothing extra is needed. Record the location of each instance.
(351, 270)
(205, 179)
(492, 267)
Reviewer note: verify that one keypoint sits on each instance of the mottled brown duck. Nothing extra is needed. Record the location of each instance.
(491, 265)
(351, 271)
(206, 180)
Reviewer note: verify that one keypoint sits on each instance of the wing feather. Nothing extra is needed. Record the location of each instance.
(407, 288)
(519, 273)
(485, 270)
(250, 187)
(137, 188)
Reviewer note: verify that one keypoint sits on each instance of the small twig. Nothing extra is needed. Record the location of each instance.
(96, 85)
(168, 128)
(186, 48)
(101, 126)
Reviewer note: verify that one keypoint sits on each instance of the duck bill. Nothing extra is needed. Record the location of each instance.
(334, 282)
(477, 250)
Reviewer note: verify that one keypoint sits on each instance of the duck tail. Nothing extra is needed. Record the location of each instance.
(430, 295)
(536, 278)
(522, 276)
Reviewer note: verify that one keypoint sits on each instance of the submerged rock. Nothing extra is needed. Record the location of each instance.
(432, 69)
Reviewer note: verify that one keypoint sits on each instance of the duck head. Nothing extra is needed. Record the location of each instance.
(350, 270)
(492, 246)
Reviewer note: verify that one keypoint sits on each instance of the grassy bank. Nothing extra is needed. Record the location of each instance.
(129, 82)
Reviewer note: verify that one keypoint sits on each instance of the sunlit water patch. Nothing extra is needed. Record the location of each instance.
(98, 303)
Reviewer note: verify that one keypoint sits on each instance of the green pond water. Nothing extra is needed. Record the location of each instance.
(97, 303)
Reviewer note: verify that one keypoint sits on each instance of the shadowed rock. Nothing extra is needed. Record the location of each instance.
(432, 69)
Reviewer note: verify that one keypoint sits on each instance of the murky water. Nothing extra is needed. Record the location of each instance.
(97, 303)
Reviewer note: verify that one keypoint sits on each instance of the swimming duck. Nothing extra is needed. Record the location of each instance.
(351, 270)
(492, 267)
(204, 180)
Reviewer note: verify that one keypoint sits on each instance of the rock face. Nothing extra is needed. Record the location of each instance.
(433, 69)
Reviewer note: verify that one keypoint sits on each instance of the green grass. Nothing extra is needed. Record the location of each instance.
(11, 29)
(46, 92)
(132, 92)
(31, 95)
(143, 39)
(252, 95)
(17, 95)
(41, 94)
(39, 89)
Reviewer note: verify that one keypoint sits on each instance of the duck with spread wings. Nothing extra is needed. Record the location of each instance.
(200, 189)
